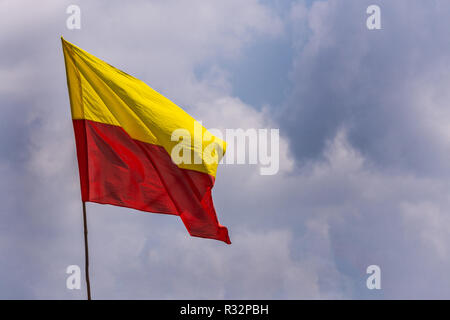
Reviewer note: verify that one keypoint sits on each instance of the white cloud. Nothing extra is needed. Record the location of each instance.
(306, 233)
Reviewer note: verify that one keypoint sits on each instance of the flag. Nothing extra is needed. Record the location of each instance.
(126, 134)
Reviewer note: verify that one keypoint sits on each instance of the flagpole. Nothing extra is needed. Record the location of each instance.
(86, 253)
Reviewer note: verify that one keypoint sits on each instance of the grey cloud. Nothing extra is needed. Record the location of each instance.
(44, 233)
(369, 81)
(366, 120)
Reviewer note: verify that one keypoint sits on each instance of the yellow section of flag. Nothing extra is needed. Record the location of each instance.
(99, 92)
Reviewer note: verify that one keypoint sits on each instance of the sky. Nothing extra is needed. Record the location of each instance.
(364, 122)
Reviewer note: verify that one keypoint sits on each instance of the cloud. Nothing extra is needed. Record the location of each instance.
(367, 123)
(133, 255)
(378, 83)
(363, 154)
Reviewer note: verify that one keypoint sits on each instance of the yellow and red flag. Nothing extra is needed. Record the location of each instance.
(124, 139)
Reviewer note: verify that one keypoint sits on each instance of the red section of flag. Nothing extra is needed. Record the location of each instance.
(117, 170)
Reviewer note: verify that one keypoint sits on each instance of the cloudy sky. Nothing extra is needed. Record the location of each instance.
(364, 119)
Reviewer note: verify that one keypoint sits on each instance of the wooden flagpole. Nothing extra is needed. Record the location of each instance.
(86, 253)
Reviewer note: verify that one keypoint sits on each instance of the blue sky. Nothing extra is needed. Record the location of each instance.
(364, 121)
